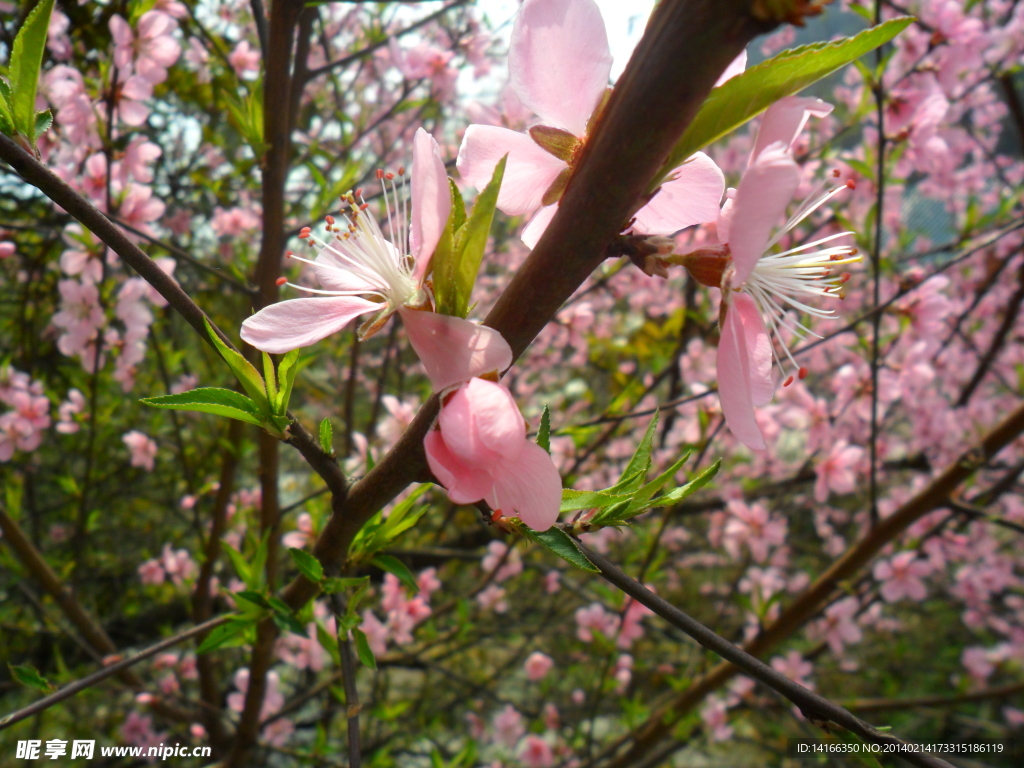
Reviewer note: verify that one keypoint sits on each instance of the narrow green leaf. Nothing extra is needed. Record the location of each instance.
(458, 206)
(231, 633)
(270, 379)
(286, 373)
(641, 460)
(645, 494)
(573, 501)
(544, 433)
(559, 542)
(680, 493)
(363, 651)
(326, 436)
(399, 569)
(30, 678)
(26, 60)
(308, 565)
(44, 120)
(259, 560)
(6, 108)
(221, 402)
(246, 373)
(254, 597)
(329, 643)
(286, 622)
(747, 95)
(444, 261)
(242, 568)
(471, 239)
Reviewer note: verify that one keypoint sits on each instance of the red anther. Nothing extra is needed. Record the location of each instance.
(281, 280)
(389, 176)
(844, 277)
(401, 170)
(380, 174)
(304, 233)
(788, 381)
(836, 173)
(330, 219)
(288, 254)
(851, 184)
(364, 206)
(359, 192)
(496, 515)
(802, 373)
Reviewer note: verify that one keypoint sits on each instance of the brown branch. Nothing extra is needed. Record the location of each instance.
(120, 668)
(804, 607)
(878, 705)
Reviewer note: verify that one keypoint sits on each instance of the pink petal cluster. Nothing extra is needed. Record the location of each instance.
(559, 62)
(480, 450)
(22, 427)
(901, 577)
(142, 448)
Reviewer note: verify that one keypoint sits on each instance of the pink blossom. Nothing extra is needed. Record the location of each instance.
(536, 753)
(559, 62)
(152, 50)
(839, 628)
(978, 663)
(837, 473)
(754, 527)
(376, 633)
(901, 577)
(538, 665)
(362, 262)
(594, 617)
(631, 629)
(500, 554)
(715, 715)
(151, 572)
(303, 535)
(425, 61)
(493, 599)
(143, 449)
(233, 222)
(508, 726)
(427, 582)
(244, 60)
(551, 582)
(480, 451)
(7, 249)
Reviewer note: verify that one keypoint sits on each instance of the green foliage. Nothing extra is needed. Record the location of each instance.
(559, 542)
(395, 566)
(363, 652)
(247, 115)
(380, 532)
(235, 632)
(29, 677)
(544, 433)
(221, 402)
(308, 565)
(461, 248)
(26, 61)
(326, 436)
(747, 95)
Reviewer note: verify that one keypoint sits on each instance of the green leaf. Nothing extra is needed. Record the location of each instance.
(44, 120)
(30, 678)
(645, 494)
(242, 568)
(285, 619)
(747, 95)
(559, 542)
(246, 373)
(635, 472)
(6, 113)
(230, 633)
(328, 642)
(26, 60)
(456, 262)
(680, 493)
(544, 433)
(221, 402)
(255, 598)
(458, 206)
(270, 379)
(363, 649)
(308, 565)
(576, 500)
(398, 568)
(326, 436)
(286, 373)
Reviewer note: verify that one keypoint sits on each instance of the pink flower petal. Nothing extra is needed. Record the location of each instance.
(452, 349)
(693, 196)
(764, 192)
(734, 384)
(759, 349)
(529, 170)
(482, 425)
(529, 487)
(531, 234)
(296, 323)
(559, 61)
(785, 119)
(736, 67)
(431, 200)
(464, 484)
